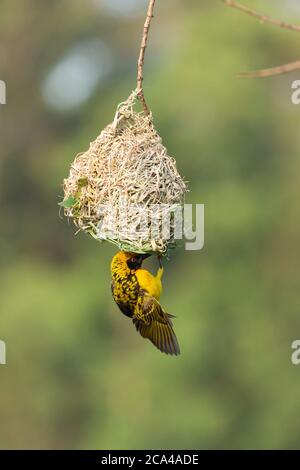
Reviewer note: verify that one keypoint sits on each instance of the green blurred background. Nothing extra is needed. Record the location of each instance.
(77, 374)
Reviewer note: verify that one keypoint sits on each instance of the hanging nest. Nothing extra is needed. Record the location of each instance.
(125, 187)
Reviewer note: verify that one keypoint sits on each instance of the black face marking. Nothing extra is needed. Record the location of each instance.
(135, 262)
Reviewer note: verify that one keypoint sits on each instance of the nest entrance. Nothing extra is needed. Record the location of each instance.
(126, 188)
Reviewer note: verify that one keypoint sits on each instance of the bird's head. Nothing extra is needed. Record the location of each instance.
(133, 260)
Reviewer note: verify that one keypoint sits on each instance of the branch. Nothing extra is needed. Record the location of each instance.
(141, 61)
(263, 73)
(263, 18)
(270, 72)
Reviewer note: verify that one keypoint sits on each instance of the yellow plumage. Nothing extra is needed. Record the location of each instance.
(148, 282)
(136, 292)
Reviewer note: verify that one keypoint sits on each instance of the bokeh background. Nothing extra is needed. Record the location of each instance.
(77, 375)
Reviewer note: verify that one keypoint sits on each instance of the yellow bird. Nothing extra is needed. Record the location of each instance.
(136, 292)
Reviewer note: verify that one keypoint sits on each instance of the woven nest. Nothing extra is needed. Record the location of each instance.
(125, 186)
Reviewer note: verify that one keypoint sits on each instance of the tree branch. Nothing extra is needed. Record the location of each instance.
(263, 73)
(263, 18)
(141, 61)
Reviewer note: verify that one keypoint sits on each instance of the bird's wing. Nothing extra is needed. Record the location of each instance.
(153, 323)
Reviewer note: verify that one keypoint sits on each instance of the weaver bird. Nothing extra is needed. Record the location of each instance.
(136, 292)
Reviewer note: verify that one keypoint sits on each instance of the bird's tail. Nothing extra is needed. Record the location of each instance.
(160, 334)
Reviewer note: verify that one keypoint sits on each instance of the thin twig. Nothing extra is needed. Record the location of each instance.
(270, 72)
(263, 18)
(141, 61)
(263, 73)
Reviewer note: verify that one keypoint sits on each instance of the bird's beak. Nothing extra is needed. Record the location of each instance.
(143, 256)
